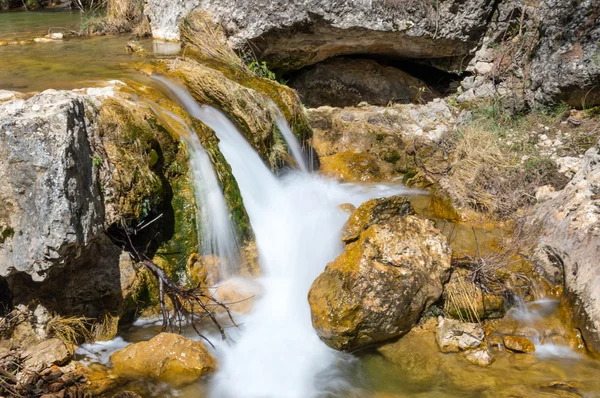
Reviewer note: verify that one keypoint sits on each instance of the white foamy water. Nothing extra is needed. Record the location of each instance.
(216, 233)
(292, 142)
(100, 351)
(297, 225)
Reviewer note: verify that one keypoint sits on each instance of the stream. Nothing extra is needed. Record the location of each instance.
(297, 222)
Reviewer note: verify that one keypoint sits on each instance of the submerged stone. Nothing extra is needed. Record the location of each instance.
(519, 344)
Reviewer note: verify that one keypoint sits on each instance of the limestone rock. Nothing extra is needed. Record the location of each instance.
(454, 336)
(568, 244)
(45, 354)
(378, 288)
(480, 357)
(565, 64)
(290, 35)
(347, 82)
(47, 175)
(374, 211)
(519, 344)
(167, 357)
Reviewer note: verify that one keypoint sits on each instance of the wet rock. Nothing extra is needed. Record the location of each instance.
(344, 82)
(42, 40)
(454, 336)
(45, 354)
(352, 166)
(54, 36)
(374, 211)
(290, 35)
(379, 287)
(519, 344)
(167, 357)
(568, 244)
(480, 357)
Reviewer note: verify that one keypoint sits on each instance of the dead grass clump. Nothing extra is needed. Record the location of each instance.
(478, 162)
(208, 38)
(71, 330)
(122, 16)
(106, 328)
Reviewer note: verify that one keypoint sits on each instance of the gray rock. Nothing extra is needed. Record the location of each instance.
(454, 336)
(292, 34)
(568, 244)
(53, 248)
(50, 201)
(566, 62)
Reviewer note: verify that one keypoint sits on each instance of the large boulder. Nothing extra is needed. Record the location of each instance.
(50, 200)
(293, 34)
(394, 267)
(52, 213)
(167, 357)
(568, 226)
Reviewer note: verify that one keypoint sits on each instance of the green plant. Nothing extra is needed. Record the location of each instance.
(97, 161)
(262, 70)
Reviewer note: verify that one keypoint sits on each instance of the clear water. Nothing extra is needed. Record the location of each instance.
(74, 62)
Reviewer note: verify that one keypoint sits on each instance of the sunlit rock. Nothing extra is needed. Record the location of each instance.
(393, 268)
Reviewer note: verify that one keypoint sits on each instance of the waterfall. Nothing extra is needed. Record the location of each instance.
(297, 224)
(216, 232)
(291, 141)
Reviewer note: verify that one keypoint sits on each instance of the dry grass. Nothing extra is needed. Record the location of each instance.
(71, 330)
(478, 162)
(105, 329)
(208, 39)
(464, 299)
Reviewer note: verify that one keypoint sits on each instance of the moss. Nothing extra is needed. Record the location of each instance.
(5, 233)
(392, 156)
(231, 191)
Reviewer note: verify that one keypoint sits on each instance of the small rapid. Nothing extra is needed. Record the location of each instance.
(297, 224)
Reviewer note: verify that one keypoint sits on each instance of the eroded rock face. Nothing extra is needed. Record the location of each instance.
(566, 64)
(345, 82)
(391, 271)
(167, 357)
(291, 35)
(50, 201)
(568, 226)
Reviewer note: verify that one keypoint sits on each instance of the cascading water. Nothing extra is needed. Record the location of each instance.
(297, 223)
(215, 228)
(216, 232)
(292, 142)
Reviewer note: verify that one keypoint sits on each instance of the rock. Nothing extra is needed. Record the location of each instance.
(565, 64)
(42, 40)
(374, 211)
(47, 175)
(567, 246)
(483, 68)
(45, 354)
(352, 167)
(54, 36)
(167, 357)
(379, 287)
(344, 82)
(290, 35)
(480, 357)
(544, 193)
(454, 336)
(518, 344)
